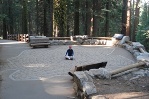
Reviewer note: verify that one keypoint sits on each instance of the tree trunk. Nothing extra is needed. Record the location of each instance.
(50, 26)
(88, 18)
(148, 12)
(10, 14)
(45, 19)
(68, 19)
(76, 17)
(82, 16)
(62, 21)
(136, 20)
(124, 17)
(128, 18)
(24, 18)
(29, 23)
(37, 18)
(40, 17)
(107, 18)
(132, 21)
(4, 29)
(96, 17)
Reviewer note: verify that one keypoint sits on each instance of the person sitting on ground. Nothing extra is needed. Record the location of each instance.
(69, 53)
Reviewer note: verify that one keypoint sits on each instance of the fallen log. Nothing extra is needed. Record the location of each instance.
(91, 66)
(88, 67)
(120, 70)
(127, 68)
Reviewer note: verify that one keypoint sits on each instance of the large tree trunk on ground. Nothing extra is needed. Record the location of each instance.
(88, 67)
(119, 70)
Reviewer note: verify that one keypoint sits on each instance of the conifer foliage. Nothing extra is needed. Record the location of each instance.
(75, 17)
(143, 28)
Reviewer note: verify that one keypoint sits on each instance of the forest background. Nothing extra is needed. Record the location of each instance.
(64, 18)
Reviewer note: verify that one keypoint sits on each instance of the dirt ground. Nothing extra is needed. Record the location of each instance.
(123, 87)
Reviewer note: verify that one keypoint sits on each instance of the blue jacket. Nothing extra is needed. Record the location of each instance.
(69, 52)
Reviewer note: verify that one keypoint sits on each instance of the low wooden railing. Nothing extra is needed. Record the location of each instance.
(25, 37)
(68, 38)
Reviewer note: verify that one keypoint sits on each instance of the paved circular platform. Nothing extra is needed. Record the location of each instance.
(41, 63)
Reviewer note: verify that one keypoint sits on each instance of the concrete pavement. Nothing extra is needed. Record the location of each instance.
(41, 73)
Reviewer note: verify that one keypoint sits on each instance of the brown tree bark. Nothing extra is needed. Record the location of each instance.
(10, 13)
(76, 17)
(136, 19)
(7, 25)
(4, 29)
(68, 20)
(45, 27)
(24, 18)
(88, 18)
(83, 16)
(50, 18)
(107, 18)
(128, 18)
(37, 18)
(40, 17)
(4, 11)
(132, 20)
(96, 17)
(124, 17)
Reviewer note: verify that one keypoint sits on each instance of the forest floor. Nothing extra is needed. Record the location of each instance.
(123, 87)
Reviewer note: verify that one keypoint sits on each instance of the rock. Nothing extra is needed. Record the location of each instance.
(144, 54)
(98, 97)
(137, 45)
(124, 39)
(86, 42)
(133, 78)
(101, 73)
(136, 53)
(61, 42)
(68, 42)
(89, 88)
(83, 84)
(129, 48)
(143, 58)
